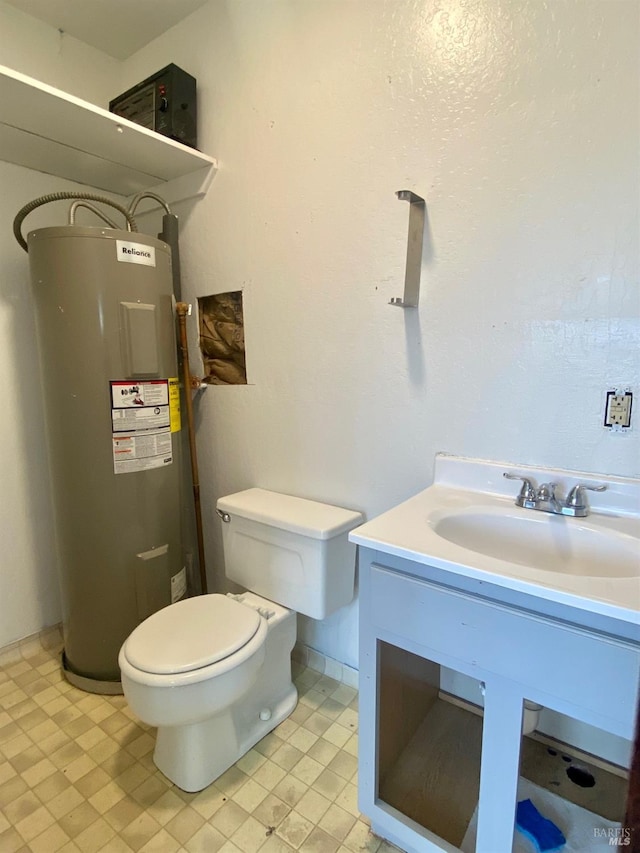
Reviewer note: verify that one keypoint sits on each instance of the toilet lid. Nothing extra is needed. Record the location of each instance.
(191, 634)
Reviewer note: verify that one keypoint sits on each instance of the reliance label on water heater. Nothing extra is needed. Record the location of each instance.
(135, 253)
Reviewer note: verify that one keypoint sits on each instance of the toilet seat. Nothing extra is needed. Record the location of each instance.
(190, 635)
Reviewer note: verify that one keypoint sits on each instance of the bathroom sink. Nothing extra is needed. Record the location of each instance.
(550, 543)
(467, 524)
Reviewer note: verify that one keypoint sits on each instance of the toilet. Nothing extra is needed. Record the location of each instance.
(213, 673)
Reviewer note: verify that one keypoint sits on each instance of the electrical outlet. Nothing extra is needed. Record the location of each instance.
(617, 414)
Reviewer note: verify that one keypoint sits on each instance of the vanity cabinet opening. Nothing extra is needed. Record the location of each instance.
(429, 746)
(584, 795)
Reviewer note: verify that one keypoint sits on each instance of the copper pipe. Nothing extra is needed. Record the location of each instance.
(182, 310)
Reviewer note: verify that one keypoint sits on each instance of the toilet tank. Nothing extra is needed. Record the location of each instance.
(290, 550)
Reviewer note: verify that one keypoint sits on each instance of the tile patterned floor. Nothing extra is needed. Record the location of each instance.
(76, 774)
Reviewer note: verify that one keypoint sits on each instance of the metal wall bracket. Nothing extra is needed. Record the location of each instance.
(414, 250)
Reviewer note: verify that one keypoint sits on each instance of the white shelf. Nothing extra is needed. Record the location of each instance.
(48, 130)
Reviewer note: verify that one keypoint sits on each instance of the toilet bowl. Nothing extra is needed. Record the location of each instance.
(213, 673)
(211, 693)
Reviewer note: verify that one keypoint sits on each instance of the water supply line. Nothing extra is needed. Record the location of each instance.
(530, 712)
(182, 309)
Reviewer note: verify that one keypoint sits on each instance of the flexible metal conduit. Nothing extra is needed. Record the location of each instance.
(46, 199)
(93, 209)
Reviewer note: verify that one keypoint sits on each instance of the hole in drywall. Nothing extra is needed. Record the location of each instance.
(222, 338)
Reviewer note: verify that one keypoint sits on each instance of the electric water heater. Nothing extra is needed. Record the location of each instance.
(107, 339)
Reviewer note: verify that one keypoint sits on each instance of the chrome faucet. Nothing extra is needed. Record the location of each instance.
(544, 497)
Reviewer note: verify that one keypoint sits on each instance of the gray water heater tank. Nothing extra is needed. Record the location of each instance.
(107, 343)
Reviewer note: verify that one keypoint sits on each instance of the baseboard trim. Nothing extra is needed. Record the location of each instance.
(51, 638)
(45, 640)
(330, 667)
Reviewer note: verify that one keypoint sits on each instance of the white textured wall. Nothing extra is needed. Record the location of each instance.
(29, 598)
(40, 51)
(518, 122)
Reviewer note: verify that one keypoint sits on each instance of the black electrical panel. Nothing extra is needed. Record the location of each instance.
(164, 102)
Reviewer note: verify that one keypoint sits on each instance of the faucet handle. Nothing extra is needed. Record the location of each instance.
(527, 492)
(577, 498)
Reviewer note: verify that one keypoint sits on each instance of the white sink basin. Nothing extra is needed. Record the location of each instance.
(467, 524)
(551, 543)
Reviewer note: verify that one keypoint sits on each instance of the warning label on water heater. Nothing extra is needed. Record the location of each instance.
(140, 425)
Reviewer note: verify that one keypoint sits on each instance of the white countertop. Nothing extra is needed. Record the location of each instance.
(472, 486)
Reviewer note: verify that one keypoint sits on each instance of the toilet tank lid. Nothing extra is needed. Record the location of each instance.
(298, 515)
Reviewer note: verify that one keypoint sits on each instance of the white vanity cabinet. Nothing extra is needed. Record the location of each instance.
(499, 639)
(438, 771)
